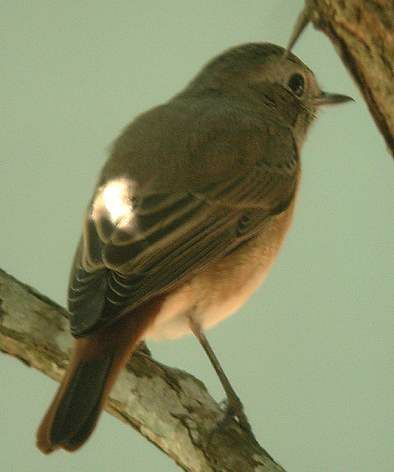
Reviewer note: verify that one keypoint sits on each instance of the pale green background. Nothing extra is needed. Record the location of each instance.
(312, 353)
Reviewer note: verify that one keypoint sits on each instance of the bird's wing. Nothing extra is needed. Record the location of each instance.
(137, 245)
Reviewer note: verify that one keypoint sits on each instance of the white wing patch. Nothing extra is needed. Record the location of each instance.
(115, 198)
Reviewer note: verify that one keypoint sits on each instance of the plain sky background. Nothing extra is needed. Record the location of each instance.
(311, 354)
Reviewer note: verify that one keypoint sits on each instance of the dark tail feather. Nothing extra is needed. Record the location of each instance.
(94, 367)
(80, 406)
(75, 409)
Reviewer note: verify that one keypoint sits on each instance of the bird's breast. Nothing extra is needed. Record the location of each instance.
(224, 286)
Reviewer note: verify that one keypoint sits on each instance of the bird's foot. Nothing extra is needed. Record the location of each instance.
(234, 410)
(144, 350)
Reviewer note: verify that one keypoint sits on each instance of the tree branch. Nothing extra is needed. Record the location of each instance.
(362, 32)
(168, 406)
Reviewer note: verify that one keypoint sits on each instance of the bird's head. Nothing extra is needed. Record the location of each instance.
(266, 74)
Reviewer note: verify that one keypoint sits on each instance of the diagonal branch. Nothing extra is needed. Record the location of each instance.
(362, 32)
(168, 406)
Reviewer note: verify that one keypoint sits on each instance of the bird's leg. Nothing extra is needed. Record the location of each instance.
(234, 404)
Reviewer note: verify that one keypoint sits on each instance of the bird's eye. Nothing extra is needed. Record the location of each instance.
(296, 84)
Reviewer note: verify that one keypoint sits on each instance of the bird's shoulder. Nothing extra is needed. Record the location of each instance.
(193, 141)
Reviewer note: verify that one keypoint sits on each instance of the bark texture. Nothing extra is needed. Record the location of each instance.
(362, 32)
(168, 406)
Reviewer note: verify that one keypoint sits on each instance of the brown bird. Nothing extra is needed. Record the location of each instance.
(187, 217)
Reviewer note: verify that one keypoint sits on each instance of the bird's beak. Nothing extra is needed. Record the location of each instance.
(326, 98)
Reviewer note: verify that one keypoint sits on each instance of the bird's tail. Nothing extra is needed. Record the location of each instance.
(95, 364)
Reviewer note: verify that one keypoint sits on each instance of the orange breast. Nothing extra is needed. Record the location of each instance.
(222, 288)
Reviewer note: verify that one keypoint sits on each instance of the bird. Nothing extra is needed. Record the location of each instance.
(187, 217)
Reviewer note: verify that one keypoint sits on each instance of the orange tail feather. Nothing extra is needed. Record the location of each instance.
(94, 367)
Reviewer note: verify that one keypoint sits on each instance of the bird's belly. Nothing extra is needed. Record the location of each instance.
(215, 293)
(208, 305)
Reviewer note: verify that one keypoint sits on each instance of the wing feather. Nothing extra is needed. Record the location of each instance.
(151, 241)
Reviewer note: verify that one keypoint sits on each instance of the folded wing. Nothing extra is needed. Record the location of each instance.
(140, 243)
